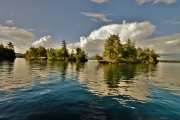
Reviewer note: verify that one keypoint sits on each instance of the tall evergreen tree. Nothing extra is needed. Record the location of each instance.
(64, 50)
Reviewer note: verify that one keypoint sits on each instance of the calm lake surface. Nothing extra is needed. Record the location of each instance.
(88, 91)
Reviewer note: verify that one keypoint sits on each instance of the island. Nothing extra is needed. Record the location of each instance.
(52, 54)
(115, 52)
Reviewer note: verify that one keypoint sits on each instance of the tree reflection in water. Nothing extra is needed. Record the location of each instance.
(103, 80)
(128, 80)
(115, 73)
(112, 79)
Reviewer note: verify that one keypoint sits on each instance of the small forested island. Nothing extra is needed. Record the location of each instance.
(61, 54)
(7, 52)
(115, 52)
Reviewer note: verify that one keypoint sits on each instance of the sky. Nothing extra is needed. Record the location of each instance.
(88, 23)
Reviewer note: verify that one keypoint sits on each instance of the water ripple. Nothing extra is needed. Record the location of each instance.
(59, 90)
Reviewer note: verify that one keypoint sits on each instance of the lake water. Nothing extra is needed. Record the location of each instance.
(88, 91)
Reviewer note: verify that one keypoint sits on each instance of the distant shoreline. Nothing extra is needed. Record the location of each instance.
(162, 61)
(170, 61)
(113, 62)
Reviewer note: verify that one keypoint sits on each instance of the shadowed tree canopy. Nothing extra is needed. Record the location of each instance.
(7, 52)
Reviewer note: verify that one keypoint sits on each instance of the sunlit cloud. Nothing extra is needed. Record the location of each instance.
(173, 21)
(93, 19)
(20, 47)
(164, 44)
(95, 41)
(155, 1)
(139, 32)
(44, 41)
(9, 22)
(100, 1)
(165, 1)
(31, 29)
(142, 1)
(96, 15)
(23, 39)
(16, 33)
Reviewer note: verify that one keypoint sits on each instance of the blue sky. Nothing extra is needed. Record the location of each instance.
(87, 23)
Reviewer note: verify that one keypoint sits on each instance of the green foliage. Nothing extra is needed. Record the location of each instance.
(97, 57)
(80, 55)
(59, 55)
(64, 50)
(51, 54)
(129, 50)
(56, 54)
(41, 51)
(127, 53)
(72, 56)
(32, 53)
(113, 48)
(7, 52)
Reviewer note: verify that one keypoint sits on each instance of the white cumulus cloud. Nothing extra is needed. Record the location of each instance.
(9, 22)
(100, 1)
(44, 41)
(20, 38)
(165, 1)
(155, 1)
(142, 1)
(16, 33)
(20, 47)
(96, 15)
(23, 39)
(95, 41)
(164, 44)
(173, 21)
(138, 31)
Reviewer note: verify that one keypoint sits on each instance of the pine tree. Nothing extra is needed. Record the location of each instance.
(64, 50)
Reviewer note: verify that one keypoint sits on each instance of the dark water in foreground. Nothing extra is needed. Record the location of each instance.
(76, 91)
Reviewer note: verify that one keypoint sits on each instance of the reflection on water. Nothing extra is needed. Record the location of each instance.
(14, 74)
(60, 90)
(114, 79)
(167, 77)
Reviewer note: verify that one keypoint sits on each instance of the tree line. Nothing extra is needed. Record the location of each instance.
(52, 54)
(7, 52)
(114, 51)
